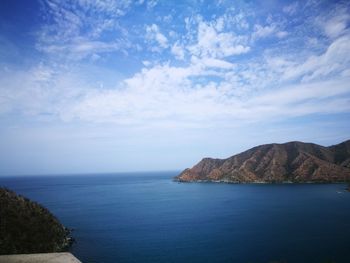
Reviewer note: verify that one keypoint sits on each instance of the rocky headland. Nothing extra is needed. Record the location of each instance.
(292, 162)
(28, 227)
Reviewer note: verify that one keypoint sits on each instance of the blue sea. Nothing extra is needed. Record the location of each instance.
(147, 217)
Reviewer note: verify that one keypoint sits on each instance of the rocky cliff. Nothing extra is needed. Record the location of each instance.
(287, 162)
(27, 227)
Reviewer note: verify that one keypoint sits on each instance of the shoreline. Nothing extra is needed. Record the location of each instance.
(260, 182)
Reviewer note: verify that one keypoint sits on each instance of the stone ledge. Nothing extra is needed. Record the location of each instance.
(40, 258)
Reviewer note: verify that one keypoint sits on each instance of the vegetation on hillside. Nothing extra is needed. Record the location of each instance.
(275, 163)
(28, 227)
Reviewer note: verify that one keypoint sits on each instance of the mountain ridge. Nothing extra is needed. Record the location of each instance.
(293, 161)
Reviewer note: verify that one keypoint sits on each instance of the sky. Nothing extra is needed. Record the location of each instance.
(90, 86)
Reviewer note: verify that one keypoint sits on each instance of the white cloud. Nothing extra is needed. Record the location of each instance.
(208, 87)
(167, 18)
(302, 93)
(69, 22)
(334, 60)
(219, 24)
(336, 25)
(291, 9)
(151, 3)
(302, 99)
(266, 31)
(161, 94)
(212, 63)
(39, 90)
(153, 33)
(281, 34)
(211, 43)
(271, 29)
(80, 48)
(146, 63)
(107, 6)
(148, 98)
(263, 31)
(83, 95)
(335, 22)
(178, 51)
(240, 20)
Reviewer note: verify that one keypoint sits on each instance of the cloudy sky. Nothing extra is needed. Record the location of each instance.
(113, 86)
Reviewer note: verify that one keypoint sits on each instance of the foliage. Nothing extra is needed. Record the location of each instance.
(28, 227)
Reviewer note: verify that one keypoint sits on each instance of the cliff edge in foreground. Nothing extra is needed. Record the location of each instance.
(27, 227)
(287, 162)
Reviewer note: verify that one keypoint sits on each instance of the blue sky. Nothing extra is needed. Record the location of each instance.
(113, 86)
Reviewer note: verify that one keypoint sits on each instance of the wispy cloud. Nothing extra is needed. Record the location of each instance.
(153, 33)
(75, 29)
(211, 42)
(268, 30)
(178, 51)
(291, 9)
(207, 87)
(152, 67)
(333, 61)
(335, 23)
(162, 92)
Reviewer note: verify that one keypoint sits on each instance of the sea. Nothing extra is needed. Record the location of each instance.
(148, 217)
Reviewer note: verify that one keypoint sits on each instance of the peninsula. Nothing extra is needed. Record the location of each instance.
(294, 162)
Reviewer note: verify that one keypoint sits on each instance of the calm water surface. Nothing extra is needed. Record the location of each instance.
(146, 217)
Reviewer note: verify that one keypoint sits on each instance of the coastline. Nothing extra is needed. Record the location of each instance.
(227, 212)
(259, 182)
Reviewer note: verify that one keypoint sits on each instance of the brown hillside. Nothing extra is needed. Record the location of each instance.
(292, 161)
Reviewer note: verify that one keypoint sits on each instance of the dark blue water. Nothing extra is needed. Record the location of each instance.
(149, 218)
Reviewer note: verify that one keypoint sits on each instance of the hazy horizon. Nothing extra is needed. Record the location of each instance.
(122, 86)
(126, 172)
